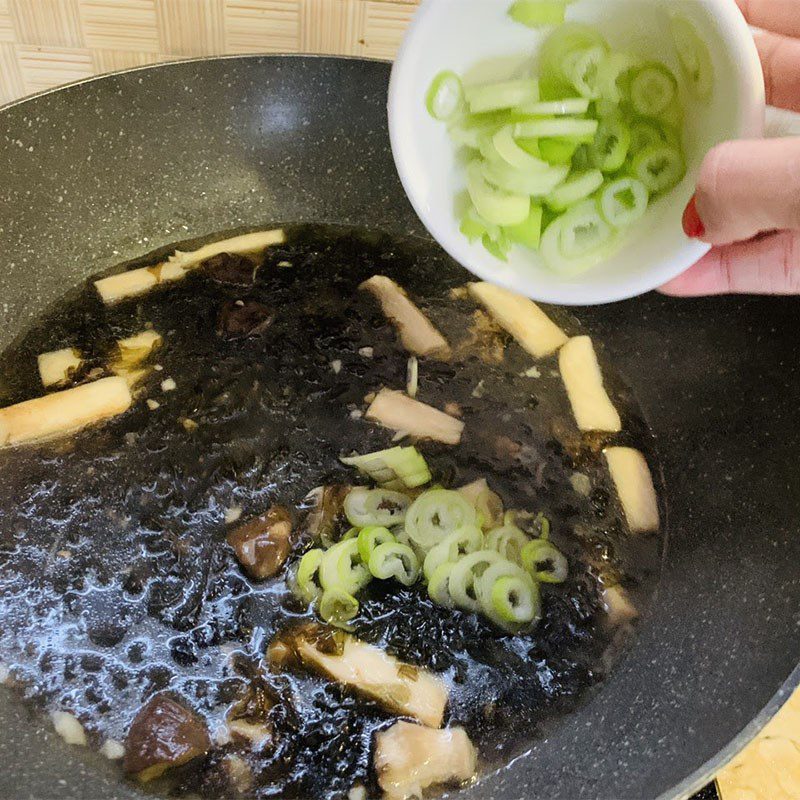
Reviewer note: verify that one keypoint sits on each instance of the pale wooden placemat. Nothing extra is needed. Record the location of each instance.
(45, 43)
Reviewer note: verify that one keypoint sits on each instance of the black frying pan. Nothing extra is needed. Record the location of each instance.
(109, 169)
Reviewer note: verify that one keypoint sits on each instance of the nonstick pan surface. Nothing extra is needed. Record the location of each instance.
(109, 169)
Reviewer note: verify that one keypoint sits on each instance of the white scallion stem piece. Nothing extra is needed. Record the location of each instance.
(399, 412)
(417, 332)
(617, 605)
(635, 489)
(57, 366)
(412, 380)
(138, 281)
(524, 320)
(583, 380)
(63, 412)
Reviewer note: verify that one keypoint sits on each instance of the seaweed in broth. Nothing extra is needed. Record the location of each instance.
(115, 578)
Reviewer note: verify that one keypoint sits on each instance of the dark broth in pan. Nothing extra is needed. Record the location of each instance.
(116, 581)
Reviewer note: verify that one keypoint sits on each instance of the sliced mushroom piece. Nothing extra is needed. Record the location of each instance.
(583, 380)
(232, 269)
(263, 544)
(635, 489)
(399, 687)
(243, 321)
(400, 413)
(64, 412)
(409, 758)
(417, 332)
(522, 318)
(164, 734)
(138, 281)
(248, 721)
(58, 366)
(326, 511)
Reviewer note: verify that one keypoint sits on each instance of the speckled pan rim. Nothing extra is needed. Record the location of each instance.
(191, 60)
(706, 773)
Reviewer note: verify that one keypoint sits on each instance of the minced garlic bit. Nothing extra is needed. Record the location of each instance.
(533, 372)
(232, 514)
(189, 424)
(112, 750)
(356, 413)
(168, 385)
(366, 352)
(68, 727)
(157, 367)
(153, 404)
(336, 366)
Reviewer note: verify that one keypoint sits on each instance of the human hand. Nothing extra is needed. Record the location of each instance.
(747, 202)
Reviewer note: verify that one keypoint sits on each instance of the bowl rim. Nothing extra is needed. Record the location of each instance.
(749, 124)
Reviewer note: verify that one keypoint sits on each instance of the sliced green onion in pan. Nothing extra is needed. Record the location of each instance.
(538, 13)
(659, 167)
(653, 90)
(464, 575)
(441, 553)
(370, 537)
(337, 607)
(394, 560)
(494, 205)
(307, 575)
(624, 202)
(514, 600)
(507, 540)
(436, 514)
(341, 568)
(545, 562)
(565, 127)
(439, 585)
(445, 96)
(375, 507)
(499, 96)
(611, 144)
(577, 188)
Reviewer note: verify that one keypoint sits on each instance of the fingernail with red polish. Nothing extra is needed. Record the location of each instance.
(692, 224)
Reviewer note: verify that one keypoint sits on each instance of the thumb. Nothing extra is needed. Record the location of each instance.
(746, 188)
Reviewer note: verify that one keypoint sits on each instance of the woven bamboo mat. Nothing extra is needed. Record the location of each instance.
(45, 43)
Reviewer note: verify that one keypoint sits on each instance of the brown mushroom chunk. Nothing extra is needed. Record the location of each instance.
(249, 720)
(262, 544)
(164, 734)
(233, 269)
(243, 320)
(326, 511)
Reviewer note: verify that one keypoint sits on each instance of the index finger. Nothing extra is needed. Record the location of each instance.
(778, 16)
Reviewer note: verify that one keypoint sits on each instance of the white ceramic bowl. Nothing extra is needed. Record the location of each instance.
(455, 34)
